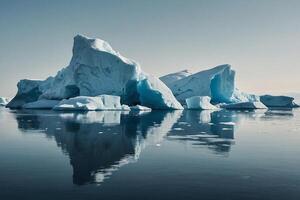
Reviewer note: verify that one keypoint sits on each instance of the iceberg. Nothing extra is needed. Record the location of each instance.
(200, 102)
(41, 104)
(154, 94)
(3, 101)
(217, 83)
(28, 91)
(278, 101)
(85, 103)
(170, 78)
(245, 105)
(96, 69)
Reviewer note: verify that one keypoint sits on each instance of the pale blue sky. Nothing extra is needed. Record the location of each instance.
(259, 38)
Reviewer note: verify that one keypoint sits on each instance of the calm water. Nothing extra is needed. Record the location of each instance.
(156, 155)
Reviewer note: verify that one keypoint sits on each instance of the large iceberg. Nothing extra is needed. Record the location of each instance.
(96, 69)
(3, 101)
(85, 103)
(278, 101)
(217, 83)
(199, 102)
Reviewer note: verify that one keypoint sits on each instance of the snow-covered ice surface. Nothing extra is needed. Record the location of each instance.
(245, 105)
(170, 78)
(218, 83)
(278, 101)
(3, 101)
(96, 69)
(200, 102)
(101, 102)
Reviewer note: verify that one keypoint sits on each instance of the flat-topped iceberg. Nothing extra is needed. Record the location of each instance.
(85, 103)
(200, 102)
(3, 101)
(97, 69)
(278, 101)
(245, 105)
(217, 83)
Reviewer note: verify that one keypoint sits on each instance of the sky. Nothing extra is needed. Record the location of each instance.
(259, 38)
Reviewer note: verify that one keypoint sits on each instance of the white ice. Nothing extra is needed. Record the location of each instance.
(3, 101)
(200, 102)
(218, 83)
(170, 78)
(101, 102)
(139, 108)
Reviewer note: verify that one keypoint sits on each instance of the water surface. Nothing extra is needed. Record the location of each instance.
(153, 155)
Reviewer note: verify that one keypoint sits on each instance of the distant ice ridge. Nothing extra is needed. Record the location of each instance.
(199, 102)
(170, 78)
(3, 101)
(96, 69)
(217, 83)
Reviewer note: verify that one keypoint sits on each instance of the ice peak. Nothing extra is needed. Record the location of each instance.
(82, 42)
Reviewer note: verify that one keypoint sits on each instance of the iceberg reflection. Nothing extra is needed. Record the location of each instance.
(99, 143)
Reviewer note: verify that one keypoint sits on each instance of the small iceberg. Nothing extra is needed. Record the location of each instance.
(85, 103)
(245, 105)
(200, 102)
(278, 101)
(41, 104)
(140, 108)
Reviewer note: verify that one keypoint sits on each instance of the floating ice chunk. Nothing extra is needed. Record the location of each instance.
(228, 123)
(155, 94)
(218, 83)
(200, 102)
(245, 105)
(41, 104)
(140, 108)
(125, 107)
(3, 101)
(101, 102)
(278, 101)
(170, 78)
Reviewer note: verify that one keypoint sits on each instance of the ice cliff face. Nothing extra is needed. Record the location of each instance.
(95, 69)
(217, 83)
